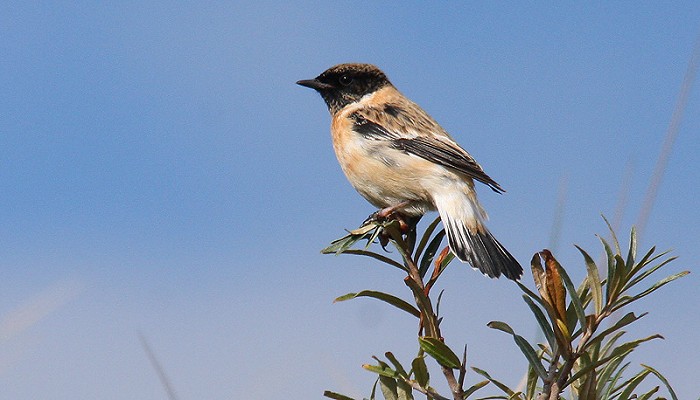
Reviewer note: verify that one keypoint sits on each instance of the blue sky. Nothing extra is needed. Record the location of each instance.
(161, 173)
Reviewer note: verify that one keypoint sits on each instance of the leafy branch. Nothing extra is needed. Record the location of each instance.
(578, 355)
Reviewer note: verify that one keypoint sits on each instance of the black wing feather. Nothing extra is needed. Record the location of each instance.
(429, 148)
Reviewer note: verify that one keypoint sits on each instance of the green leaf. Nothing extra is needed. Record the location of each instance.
(647, 259)
(397, 365)
(373, 395)
(621, 351)
(439, 351)
(594, 282)
(385, 297)
(607, 384)
(404, 390)
(575, 300)
(622, 322)
(595, 364)
(647, 395)
(629, 264)
(524, 346)
(611, 343)
(336, 396)
(426, 236)
(632, 384)
(430, 252)
(423, 303)
(470, 390)
(662, 379)
(446, 261)
(646, 273)
(381, 370)
(388, 388)
(376, 256)
(587, 389)
(613, 236)
(542, 321)
(530, 294)
(531, 383)
(618, 280)
(338, 246)
(420, 371)
(611, 268)
(652, 289)
(498, 384)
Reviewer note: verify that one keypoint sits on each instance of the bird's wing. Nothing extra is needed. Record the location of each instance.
(408, 135)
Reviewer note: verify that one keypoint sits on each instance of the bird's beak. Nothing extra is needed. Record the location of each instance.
(314, 84)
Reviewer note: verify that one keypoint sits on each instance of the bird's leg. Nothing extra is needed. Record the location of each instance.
(387, 212)
(437, 271)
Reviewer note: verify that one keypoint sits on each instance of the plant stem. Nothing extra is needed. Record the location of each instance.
(429, 319)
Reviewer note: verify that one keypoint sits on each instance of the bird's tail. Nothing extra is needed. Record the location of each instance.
(471, 242)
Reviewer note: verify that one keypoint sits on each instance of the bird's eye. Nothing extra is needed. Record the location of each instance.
(345, 80)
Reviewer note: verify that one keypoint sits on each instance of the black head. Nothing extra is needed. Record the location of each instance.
(346, 83)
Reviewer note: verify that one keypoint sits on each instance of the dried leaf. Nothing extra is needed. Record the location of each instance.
(554, 284)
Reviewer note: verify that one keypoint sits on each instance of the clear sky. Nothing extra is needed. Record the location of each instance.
(161, 174)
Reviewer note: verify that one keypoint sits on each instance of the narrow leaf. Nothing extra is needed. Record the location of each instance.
(420, 371)
(632, 253)
(611, 268)
(648, 272)
(376, 256)
(531, 383)
(539, 276)
(388, 388)
(439, 351)
(498, 384)
(594, 282)
(382, 370)
(662, 379)
(385, 297)
(622, 322)
(652, 289)
(336, 396)
(530, 294)
(573, 294)
(426, 236)
(587, 389)
(542, 321)
(397, 365)
(404, 390)
(525, 347)
(430, 252)
(605, 392)
(619, 351)
(647, 395)
(613, 236)
(470, 390)
(633, 383)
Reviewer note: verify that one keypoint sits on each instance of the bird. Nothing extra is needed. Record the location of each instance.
(401, 160)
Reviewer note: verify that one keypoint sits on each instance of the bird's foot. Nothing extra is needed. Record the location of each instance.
(389, 214)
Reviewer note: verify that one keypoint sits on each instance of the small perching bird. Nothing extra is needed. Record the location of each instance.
(401, 160)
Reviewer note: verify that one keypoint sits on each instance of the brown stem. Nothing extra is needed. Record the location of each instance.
(429, 319)
(553, 388)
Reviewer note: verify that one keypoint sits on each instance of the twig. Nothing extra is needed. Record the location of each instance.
(415, 283)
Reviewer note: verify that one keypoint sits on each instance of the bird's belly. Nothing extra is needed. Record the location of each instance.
(387, 177)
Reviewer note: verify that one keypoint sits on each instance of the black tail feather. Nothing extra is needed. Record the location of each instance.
(483, 252)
